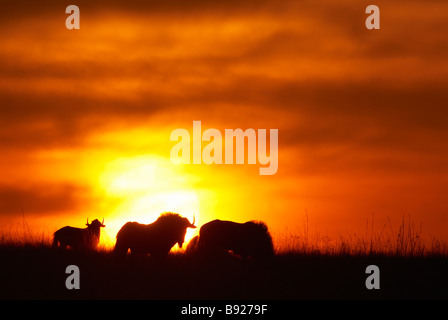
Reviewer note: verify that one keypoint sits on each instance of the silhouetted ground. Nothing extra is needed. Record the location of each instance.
(31, 272)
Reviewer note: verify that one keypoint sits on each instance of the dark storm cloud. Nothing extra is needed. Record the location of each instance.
(337, 83)
(38, 199)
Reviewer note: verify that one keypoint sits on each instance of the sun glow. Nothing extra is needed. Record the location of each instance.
(144, 187)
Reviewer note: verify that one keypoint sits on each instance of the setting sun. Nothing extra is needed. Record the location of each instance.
(143, 188)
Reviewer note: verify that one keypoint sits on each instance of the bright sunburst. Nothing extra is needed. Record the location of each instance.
(143, 188)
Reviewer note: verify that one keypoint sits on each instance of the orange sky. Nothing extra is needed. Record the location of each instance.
(86, 115)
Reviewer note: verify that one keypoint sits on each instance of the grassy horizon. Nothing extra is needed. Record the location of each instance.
(305, 266)
(406, 240)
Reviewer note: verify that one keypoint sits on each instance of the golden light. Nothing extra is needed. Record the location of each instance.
(143, 188)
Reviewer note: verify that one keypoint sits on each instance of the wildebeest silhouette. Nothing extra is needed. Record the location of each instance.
(192, 245)
(250, 239)
(156, 238)
(79, 238)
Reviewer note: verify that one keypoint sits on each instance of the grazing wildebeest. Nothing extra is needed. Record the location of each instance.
(156, 238)
(79, 238)
(250, 239)
(192, 245)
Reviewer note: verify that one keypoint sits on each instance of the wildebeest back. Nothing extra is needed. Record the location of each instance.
(246, 239)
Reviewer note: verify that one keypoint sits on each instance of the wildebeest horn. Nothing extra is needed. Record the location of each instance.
(192, 224)
(87, 222)
(102, 222)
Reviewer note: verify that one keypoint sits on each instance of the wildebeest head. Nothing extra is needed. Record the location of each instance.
(181, 227)
(95, 224)
(94, 228)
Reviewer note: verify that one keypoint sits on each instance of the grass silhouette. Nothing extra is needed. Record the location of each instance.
(304, 267)
(405, 241)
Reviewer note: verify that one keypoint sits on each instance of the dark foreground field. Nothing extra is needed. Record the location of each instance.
(39, 273)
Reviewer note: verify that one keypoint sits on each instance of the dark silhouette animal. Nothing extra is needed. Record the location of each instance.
(192, 245)
(250, 239)
(156, 238)
(79, 238)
